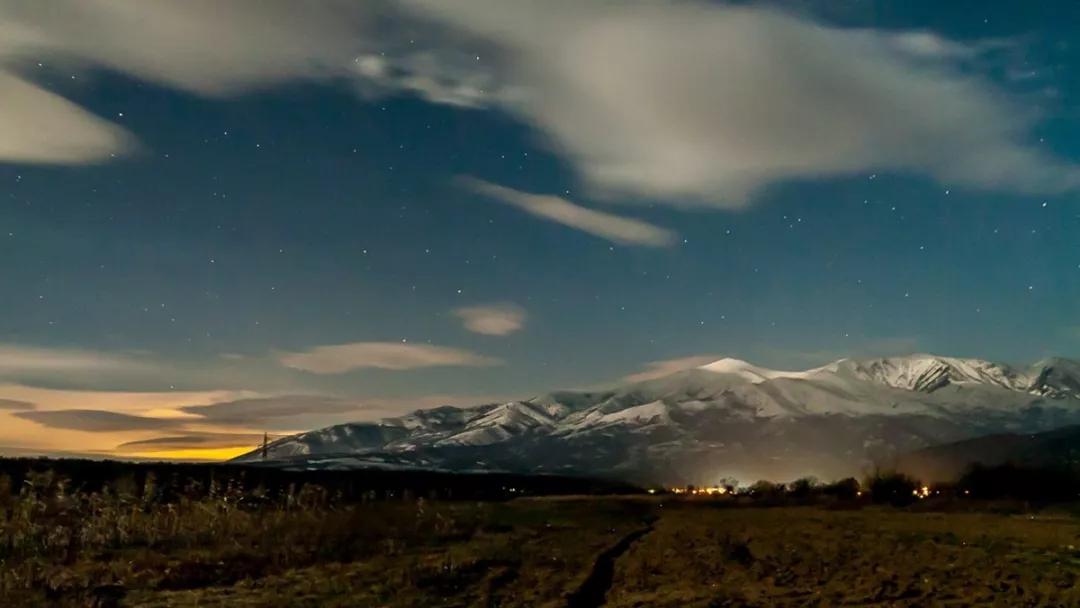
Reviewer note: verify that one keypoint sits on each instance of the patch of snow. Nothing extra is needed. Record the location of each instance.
(751, 372)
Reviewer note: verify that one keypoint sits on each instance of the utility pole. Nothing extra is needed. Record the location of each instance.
(266, 441)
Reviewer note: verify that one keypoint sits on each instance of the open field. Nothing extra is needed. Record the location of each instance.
(221, 548)
(876, 556)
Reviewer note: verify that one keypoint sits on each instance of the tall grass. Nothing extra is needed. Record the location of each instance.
(63, 546)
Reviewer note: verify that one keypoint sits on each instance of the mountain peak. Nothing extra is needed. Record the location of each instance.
(728, 363)
(927, 373)
(751, 372)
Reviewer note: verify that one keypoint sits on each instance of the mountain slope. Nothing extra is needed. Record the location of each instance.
(725, 419)
(1056, 448)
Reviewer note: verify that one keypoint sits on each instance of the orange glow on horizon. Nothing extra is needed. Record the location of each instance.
(216, 454)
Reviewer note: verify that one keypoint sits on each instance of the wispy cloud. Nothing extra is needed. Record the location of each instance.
(666, 367)
(257, 411)
(615, 228)
(16, 404)
(493, 319)
(15, 359)
(97, 420)
(83, 368)
(42, 127)
(871, 347)
(201, 46)
(342, 358)
(126, 371)
(193, 441)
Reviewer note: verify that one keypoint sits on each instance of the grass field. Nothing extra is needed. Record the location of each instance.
(876, 556)
(107, 549)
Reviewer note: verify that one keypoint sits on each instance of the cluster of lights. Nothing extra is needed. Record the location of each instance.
(713, 491)
(921, 492)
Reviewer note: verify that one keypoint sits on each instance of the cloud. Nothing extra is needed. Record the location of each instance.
(666, 367)
(16, 404)
(16, 359)
(888, 346)
(97, 420)
(492, 319)
(342, 358)
(73, 367)
(202, 46)
(205, 47)
(193, 441)
(686, 103)
(128, 371)
(256, 411)
(617, 229)
(695, 103)
(42, 127)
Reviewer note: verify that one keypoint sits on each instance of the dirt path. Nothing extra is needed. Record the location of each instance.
(592, 592)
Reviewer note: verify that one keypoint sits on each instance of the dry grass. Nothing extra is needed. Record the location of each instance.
(223, 548)
(871, 557)
(102, 549)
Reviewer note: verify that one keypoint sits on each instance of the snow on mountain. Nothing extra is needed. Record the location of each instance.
(927, 373)
(637, 416)
(502, 423)
(725, 418)
(750, 372)
(1056, 377)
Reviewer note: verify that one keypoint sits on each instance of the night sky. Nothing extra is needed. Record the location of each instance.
(299, 214)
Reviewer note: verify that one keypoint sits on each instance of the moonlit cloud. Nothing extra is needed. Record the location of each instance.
(193, 441)
(492, 319)
(258, 410)
(202, 46)
(890, 346)
(17, 359)
(77, 368)
(83, 368)
(16, 404)
(69, 419)
(666, 367)
(37, 126)
(615, 228)
(342, 358)
(685, 103)
(97, 420)
(695, 103)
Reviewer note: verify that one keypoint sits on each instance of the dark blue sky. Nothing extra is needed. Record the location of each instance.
(240, 224)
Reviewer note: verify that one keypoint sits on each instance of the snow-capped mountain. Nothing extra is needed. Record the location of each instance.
(725, 419)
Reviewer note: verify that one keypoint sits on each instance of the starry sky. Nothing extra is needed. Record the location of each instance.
(224, 218)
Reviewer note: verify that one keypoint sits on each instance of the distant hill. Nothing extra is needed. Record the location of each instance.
(1059, 448)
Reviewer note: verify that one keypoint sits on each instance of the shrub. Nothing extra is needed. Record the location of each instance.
(803, 488)
(892, 488)
(845, 489)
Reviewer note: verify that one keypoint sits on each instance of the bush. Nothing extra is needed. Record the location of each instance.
(803, 488)
(845, 489)
(767, 490)
(892, 488)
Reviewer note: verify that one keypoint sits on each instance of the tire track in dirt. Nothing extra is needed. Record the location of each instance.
(593, 592)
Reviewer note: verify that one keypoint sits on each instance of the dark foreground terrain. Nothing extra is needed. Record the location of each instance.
(130, 543)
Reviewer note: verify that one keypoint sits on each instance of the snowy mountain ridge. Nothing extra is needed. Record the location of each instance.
(727, 416)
